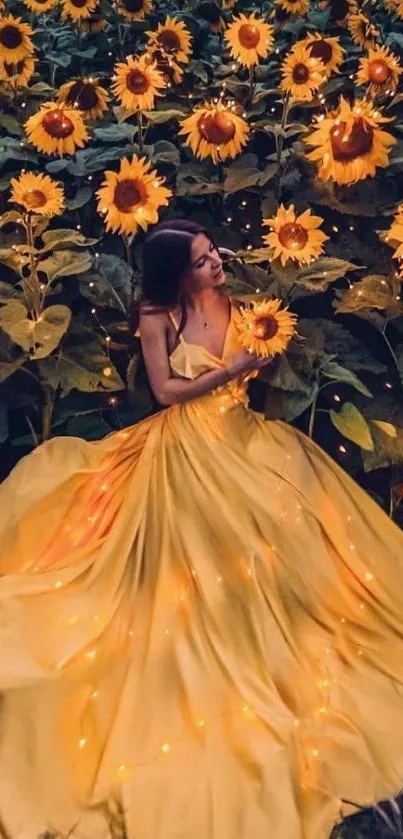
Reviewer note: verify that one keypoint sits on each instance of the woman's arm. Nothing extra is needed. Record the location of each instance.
(170, 390)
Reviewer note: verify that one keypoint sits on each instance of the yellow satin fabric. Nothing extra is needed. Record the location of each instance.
(201, 630)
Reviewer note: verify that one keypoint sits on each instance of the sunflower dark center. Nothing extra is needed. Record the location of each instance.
(265, 327)
(57, 124)
(14, 69)
(169, 40)
(128, 195)
(249, 36)
(300, 74)
(10, 37)
(379, 72)
(137, 82)
(133, 6)
(322, 50)
(293, 236)
(79, 3)
(347, 146)
(216, 128)
(34, 198)
(84, 93)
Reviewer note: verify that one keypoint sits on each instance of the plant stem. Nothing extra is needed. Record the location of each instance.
(32, 430)
(251, 82)
(391, 350)
(121, 41)
(47, 414)
(140, 131)
(280, 143)
(128, 248)
(32, 285)
(312, 416)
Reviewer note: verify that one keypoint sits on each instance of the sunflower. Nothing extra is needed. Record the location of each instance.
(362, 31)
(250, 38)
(134, 9)
(350, 143)
(302, 75)
(325, 49)
(265, 328)
(216, 131)
(19, 74)
(38, 194)
(395, 234)
(15, 39)
(131, 198)
(295, 237)
(57, 129)
(293, 7)
(174, 38)
(94, 23)
(39, 7)
(77, 10)
(171, 71)
(394, 7)
(87, 95)
(137, 82)
(380, 70)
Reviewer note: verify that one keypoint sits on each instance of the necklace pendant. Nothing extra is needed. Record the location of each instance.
(205, 325)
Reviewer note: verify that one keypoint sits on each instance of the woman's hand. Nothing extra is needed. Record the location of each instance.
(245, 362)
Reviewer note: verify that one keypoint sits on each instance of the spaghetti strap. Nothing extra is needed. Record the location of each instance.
(174, 321)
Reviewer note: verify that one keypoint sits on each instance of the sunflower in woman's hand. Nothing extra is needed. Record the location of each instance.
(266, 328)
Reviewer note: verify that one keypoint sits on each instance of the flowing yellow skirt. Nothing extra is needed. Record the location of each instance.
(201, 635)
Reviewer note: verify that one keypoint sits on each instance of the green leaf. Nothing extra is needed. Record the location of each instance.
(165, 152)
(351, 424)
(55, 166)
(11, 125)
(55, 239)
(387, 428)
(82, 365)
(38, 337)
(287, 405)
(8, 291)
(111, 284)
(13, 259)
(238, 179)
(94, 160)
(335, 371)
(329, 338)
(375, 291)
(324, 271)
(65, 264)
(116, 132)
(161, 116)
(81, 198)
(388, 450)
(12, 217)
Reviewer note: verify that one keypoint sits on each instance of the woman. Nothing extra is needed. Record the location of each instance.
(201, 615)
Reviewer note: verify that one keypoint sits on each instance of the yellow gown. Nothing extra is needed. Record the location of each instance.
(201, 631)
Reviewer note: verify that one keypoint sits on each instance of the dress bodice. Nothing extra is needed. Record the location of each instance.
(192, 360)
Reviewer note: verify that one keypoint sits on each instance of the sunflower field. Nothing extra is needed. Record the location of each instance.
(276, 124)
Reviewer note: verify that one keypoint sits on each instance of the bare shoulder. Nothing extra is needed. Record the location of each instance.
(153, 319)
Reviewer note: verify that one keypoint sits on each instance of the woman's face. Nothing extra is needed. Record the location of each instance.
(206, 269)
